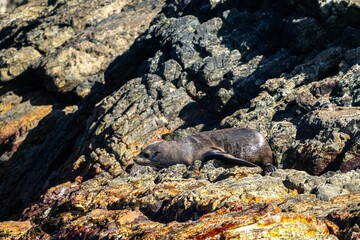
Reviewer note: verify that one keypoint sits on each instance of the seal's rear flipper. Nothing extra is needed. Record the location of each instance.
(228, 157)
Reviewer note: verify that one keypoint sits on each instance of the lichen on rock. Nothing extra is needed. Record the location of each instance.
(85, 85)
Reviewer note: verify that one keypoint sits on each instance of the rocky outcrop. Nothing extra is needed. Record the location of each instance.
(211, 202)
(289, 70)
(10, 5)
(51, 58)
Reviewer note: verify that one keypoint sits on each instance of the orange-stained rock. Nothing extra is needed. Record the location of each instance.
(252, 224)
(253, 206)
(18, 127)
(284, 225)
(55, 195)
(56, 54)
(104, 224)
(14, 229)
(289, 69)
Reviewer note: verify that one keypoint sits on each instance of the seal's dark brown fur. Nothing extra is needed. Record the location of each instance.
(239, 145)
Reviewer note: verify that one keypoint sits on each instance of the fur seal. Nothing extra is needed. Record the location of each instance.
(242, 146)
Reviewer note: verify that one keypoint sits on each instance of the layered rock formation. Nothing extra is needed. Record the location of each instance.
(86, 84)
(10, 5)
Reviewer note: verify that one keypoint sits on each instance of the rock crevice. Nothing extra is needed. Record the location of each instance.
(81, 94)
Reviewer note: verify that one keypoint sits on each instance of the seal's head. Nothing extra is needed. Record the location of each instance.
(163, 154)
(153, 155)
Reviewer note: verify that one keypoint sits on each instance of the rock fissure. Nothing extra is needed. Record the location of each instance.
(127, 73)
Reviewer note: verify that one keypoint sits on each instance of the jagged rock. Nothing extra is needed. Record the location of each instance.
(282, 201)
(40, 42)
(289, 70)
(14, 229)
(14, 62)
(10, 5)
(323, 140)
(21, 110)
(75, 48)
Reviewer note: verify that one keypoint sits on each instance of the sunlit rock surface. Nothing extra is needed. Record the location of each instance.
(85, 85)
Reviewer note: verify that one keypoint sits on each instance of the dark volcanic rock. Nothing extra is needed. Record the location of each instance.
(52, 55)
(203, 203)
(287, 69)
(68, 47)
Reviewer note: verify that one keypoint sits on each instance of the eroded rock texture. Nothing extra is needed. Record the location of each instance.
(50, 59)
(80, 97)
(10, 5)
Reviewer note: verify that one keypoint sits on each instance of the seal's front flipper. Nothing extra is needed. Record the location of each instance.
(269, 168)
(228, 157)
